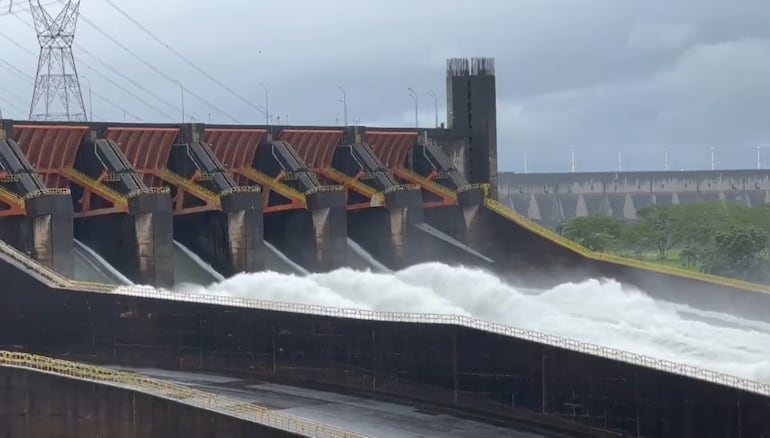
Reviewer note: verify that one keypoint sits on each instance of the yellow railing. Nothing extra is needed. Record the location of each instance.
(225, 405)
(340, 177)
(189, 186)
(274, 185)
(11, 198)
(585, 252)
(429, 185)
(95, 186)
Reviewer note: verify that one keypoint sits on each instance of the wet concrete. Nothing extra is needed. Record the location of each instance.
(367, 416)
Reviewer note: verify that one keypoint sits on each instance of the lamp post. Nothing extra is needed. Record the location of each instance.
(267, 104)
(181, 87)
(344, 102)
(416, 107)
(435, 105)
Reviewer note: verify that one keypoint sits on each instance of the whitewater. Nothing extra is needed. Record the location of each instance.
(596, 311)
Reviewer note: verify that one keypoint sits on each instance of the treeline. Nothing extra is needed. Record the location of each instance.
(718, 238)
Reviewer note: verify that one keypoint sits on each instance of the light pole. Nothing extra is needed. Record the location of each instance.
(435, 104)
(181, 87)
(416, 107)
(344, 101)
(267, 104)
(759, 159)
(90, 106)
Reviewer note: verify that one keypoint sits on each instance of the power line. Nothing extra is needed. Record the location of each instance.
(154, 68)
(106, 77)
(182, 57)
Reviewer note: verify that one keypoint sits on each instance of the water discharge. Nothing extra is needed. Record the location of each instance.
(600, 312)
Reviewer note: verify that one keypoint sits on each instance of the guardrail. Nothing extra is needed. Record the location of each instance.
(11, 198)
(401, 188)
(377, 197)
(325, 189)
(273, 184)
(585, 252)
(148, 191)
(425, 182)
(189, 186)
(171, 391)
(444, 319)
(100, 189)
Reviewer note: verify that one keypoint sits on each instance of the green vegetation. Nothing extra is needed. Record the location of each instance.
(718, 238)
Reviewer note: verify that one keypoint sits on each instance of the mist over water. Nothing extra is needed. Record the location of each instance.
(595, 311)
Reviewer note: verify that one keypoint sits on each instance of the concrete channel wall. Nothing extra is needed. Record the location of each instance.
(39, 403)
(454, 362)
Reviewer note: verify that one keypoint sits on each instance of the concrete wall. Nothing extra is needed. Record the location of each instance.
(553, 198)
(36, 405)
(453, 366)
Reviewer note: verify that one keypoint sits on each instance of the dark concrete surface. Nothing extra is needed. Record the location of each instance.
(362, 415)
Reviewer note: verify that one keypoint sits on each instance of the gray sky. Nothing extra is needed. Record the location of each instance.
(596, 76)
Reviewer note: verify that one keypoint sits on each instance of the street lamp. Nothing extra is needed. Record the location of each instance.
(181, 87)
(267, 104)
(435, 104)
(90, 106)
(416, 107)
(344, 101)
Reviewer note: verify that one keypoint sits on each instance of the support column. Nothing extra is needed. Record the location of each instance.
(152, 222)
(330, 224)
(404, 210)
(49, 230)
(245, 248)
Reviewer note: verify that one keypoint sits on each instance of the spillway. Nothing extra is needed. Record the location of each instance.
(189, 268)
(90, 266)
(359, 258)
(596, 311)
(277, 261)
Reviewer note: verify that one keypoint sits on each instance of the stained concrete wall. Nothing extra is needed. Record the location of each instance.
(36, 405)
(443, 365)
(553, 198)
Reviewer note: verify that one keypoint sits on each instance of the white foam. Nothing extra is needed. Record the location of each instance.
(595, 311)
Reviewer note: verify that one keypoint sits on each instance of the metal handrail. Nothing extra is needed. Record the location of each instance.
(97, 187)
(180, 393)
(401, 188)
(273, 184)
(425, 182)
(189, 186)
(148, 191)
(352, 182)
(445, 319)
(240, 189)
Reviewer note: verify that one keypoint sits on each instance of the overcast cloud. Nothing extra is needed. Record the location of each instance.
(596, 76)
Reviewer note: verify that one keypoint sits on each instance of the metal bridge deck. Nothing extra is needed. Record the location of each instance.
(368, 416)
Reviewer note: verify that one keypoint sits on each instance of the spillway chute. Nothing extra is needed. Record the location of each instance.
(90, 266)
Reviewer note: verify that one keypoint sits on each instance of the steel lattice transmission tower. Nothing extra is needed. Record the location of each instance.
(57, 94)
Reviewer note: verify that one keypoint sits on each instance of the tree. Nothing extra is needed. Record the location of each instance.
(655, 229)
(740, 252)
(596, 233)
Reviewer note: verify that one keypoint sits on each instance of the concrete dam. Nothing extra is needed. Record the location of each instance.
(222, 280)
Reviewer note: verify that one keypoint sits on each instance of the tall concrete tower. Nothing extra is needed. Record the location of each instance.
(472, 107)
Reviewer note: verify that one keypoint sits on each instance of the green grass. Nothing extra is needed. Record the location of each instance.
(672, 258)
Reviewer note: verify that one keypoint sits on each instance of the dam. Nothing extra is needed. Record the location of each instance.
(184, 279)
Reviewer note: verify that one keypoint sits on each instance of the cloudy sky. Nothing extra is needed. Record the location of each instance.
(600, 77)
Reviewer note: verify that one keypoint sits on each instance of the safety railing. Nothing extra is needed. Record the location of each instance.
(446, 319)
(47, 192)
(608, 258)
(324, 189)
(180, 393)
(401, 188)
(95, 186)
(189, 186)
(53, 277)
(11, 198)
(348, 180)
(274, 185)
(148, 191)
(429, 185)
(240, 189)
